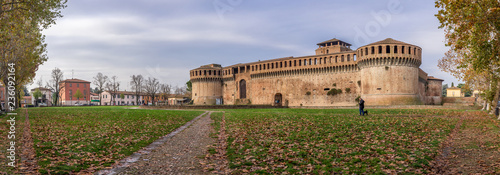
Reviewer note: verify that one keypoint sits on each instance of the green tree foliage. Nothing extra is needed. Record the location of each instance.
(21, 40)
(37, 94)
(445, 90)
(189, 86)
(122, 96)
(467, 92)
(78, 94)
(472, 33)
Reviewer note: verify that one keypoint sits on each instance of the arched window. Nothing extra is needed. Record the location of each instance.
(366, 50)
(409, 50)
(373, 50)
(387, 49)
(336, 59)
(414, 51)
(395, 49)
(379, 49)
(342, 58)
(315, 61)
(348, 57)
(354, 57)
(402, 49)
(310, 61)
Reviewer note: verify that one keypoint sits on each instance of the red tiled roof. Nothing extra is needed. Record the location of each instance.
(74, 80)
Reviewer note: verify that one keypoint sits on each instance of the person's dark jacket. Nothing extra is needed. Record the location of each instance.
(361, 104)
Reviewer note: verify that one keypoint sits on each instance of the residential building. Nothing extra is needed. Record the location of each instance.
(45, 98)
(129, 98)
(27, 100)
(94, 98)
(454, 92)
(70, 87)
(178, 99)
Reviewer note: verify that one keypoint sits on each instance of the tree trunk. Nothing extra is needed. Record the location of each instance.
(495, 98)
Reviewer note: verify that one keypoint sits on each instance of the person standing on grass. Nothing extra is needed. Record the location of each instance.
(361, 106)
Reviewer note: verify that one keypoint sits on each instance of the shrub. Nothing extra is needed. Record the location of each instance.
(334, 91)
(334, 84)
(347, 90)
(308, 93)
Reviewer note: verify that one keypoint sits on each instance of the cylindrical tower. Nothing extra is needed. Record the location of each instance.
(389, 71)
(207, 84)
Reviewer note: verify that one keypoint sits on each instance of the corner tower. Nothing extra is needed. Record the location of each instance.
(389, 71)
(207, 84)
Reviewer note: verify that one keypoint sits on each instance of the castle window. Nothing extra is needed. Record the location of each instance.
(294, 62)
(260, 66)
(366, 50)
(285, 63)
(336, 58)
(315, 61)
(348, 57)
(290, 63)
(310, 61)
(402, 49)
(387, 49)
(414, 51)
(342, 58)
(373, 50)
(324, 61)
(327, 51)
(204, 72)
(395, 49)
(409, 50)
(379, 49)
(320, 60)
(209, 72)
(354, 57)
(272, 65)
(300, 62)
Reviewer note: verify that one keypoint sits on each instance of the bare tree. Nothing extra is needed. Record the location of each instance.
(136, 83)
(179, 90)
(165, 91)
(113, 86)
(151, 87)
(100, 81)
(39, 82)
(53, 84)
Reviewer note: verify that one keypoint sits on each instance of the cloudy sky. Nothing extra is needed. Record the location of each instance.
(167, 38)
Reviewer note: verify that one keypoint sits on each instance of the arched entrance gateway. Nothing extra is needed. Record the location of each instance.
(278, 100)
(243, 89)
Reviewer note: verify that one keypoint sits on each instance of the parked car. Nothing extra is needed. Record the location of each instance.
(42, 104)
(77, 104)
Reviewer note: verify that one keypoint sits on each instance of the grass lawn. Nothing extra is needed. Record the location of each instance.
(297, 141)
(76, 139)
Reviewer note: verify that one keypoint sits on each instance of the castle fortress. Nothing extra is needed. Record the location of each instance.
(382, 73)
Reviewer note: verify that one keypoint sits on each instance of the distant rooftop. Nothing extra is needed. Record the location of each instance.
(74, 80)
